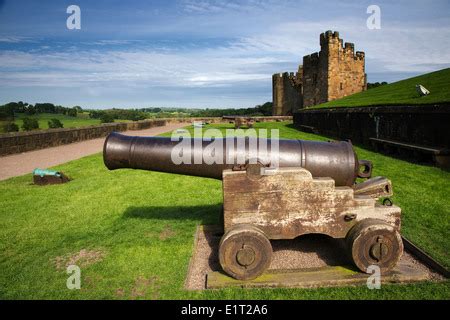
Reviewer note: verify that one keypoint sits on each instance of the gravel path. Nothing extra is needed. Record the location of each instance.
(23, 163)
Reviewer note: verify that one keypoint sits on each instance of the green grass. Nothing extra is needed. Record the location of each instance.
(144, 224)
(81, 120)
(400, 93)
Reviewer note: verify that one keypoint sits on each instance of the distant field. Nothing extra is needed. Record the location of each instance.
(69, 122)
(400, 93)
(81, 120)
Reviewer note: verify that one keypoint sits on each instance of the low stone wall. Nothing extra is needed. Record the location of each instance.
(18, 142)
(426, 125)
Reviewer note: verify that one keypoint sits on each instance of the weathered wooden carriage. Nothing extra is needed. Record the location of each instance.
(289, 202)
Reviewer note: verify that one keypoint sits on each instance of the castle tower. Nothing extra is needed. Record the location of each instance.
(334, 72)
(286, 93)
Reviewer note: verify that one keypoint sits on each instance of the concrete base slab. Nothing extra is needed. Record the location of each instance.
(315, 277)
(307, 261)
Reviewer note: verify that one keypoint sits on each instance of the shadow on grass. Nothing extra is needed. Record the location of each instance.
(330, 251)
(207, 214)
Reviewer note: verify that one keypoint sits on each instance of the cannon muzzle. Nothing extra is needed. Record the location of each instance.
(323, 159)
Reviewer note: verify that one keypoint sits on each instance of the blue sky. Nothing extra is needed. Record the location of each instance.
(205, 53)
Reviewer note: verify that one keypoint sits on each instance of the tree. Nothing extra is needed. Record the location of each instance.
(7, 112)
(10, 127)
(266, 109)
(376, 85)
(30, 124)
(55, 123)
(72, 112)
(106, 118)
(45, 107)
(94, 114)
(30, 110)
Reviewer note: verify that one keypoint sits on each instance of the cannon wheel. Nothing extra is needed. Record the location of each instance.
(373, 242)
(245, 252)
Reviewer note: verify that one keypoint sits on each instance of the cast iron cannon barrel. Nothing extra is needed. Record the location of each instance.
(323, 159)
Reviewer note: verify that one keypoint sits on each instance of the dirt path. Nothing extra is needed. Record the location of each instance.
(22, 163)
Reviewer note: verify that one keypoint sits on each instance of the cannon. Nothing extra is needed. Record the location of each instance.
(312, 189)
(240, 121)
(44, 177)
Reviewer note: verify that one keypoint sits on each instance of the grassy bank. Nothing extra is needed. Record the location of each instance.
(401, 92)
(132, 231)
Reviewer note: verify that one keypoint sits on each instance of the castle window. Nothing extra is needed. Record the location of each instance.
(342, 86)
(315, 79)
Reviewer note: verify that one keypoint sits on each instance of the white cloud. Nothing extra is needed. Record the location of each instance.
(130, 68)
(394, 48)
(250, 59)
(222, 6)
(14, 39)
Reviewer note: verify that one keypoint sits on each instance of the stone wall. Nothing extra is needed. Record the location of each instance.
(425, 126)
(287, 95)
(18, 142)
(315, 79)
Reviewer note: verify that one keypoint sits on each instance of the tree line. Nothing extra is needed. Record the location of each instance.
(145, 113)
(9, 110)
(376, 84)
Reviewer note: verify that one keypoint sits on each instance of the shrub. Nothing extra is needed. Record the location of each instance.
(376, 85)
(106, 118)
(10, 127)
(55, 123)
(30, 124)
(72, 112)
(7, 112)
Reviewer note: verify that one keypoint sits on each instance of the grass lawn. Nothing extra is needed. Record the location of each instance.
(400, 93)
(81, 120)
(132, 231)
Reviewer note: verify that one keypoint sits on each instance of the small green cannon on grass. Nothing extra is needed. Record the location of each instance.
(44, 177)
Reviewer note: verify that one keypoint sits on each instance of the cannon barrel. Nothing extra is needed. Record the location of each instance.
(323, 159)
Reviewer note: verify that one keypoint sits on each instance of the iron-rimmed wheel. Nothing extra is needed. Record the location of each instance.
(373, 242)
(245, 252)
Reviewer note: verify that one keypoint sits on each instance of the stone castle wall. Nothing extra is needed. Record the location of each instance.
(315, 79)
(345, 70)
(286, 93)
(334, 72)
(423, 125)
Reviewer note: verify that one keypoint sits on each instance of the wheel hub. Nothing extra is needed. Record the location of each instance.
(379, 250)
(245, 256)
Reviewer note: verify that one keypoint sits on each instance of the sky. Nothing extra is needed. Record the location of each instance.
(199, 54)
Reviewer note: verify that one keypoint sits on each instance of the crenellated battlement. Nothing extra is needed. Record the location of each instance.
(311, 58)
(360, 55)
(334, 72)
(349, 47)
(328, 36)
(330, 40)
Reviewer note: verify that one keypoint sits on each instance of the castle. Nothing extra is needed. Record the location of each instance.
(334, 72)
